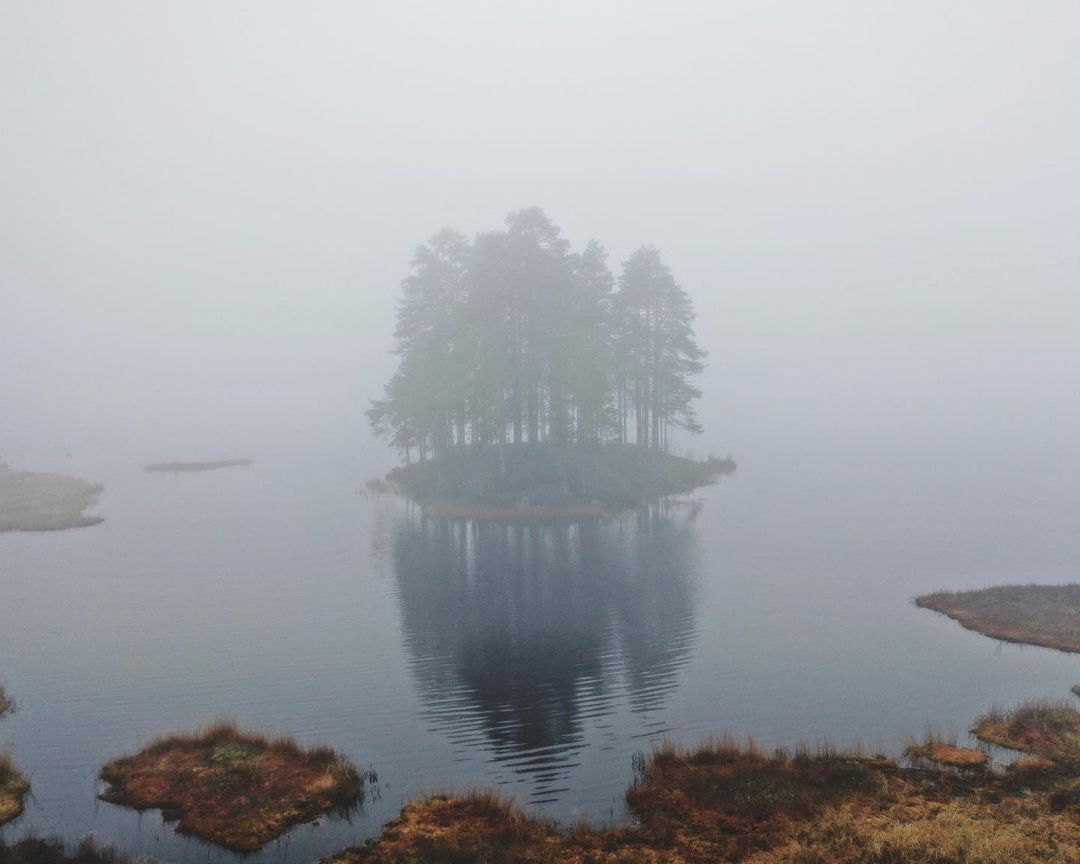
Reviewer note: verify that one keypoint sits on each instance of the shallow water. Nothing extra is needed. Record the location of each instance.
(539, 658)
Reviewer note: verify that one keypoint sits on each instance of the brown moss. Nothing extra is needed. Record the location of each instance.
(1046, 615)
(916, 832)
(940, 752)
(237, 789)
(1032, 766)
(13, 790)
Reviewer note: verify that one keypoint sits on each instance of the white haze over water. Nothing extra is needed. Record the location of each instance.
(206, 209)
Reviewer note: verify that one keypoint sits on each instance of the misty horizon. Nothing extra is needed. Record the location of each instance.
(208, 212)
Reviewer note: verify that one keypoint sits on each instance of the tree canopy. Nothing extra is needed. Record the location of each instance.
(513, 338)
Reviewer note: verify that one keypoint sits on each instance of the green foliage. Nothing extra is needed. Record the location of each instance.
(513, 338)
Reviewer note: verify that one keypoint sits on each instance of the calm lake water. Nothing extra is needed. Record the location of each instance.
(535, 658)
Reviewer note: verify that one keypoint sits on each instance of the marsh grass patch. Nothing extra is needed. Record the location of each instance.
(235, 788)
(14, 788)
(36, 850)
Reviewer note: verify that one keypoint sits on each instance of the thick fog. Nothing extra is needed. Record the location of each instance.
(206, 209)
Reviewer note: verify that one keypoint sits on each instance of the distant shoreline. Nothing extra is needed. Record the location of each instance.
(45, 502)
(198, 466)
(1044, 615)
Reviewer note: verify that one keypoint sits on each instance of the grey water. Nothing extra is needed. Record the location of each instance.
(534, 658)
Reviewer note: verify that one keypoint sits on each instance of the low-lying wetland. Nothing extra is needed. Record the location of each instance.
(237, 789)
(726, 800)
(733, 802)
(37, 850)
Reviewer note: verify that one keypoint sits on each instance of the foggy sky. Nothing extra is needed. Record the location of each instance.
(206, 208)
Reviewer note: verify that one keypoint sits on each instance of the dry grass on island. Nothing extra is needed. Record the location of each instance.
(45, 502)
(234, 788)
(1045, 729)
(1045, 615)
(13, 790)
(732, 802)
(180, 467)
(939, 751)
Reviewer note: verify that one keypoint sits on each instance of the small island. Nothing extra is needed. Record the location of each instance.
(198, 466)
(32, 501)
(532, 383)
(237, 789)
(538, 482)
(1044, 615)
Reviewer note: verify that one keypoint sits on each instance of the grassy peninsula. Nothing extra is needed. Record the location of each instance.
(542, 480)
(1045, 615)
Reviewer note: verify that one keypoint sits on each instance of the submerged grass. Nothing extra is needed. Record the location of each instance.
(1046, 615)
(13, 790)
(235, 788)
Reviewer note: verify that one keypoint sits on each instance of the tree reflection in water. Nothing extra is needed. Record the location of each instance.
(520, 635)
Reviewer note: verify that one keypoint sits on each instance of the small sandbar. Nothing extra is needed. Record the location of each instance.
(45, 502)
(13, 789)
(236, 789)
(1045, 615)
(199, 466)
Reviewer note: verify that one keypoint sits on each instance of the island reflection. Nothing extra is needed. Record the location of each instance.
(520, 635)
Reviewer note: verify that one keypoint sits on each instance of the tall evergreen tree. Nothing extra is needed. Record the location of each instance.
(656, 352)
(512, 338)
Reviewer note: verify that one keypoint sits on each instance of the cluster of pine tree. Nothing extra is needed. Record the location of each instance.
(514, 338)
